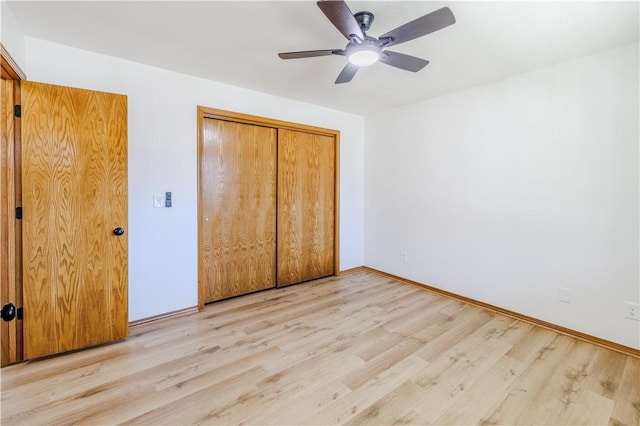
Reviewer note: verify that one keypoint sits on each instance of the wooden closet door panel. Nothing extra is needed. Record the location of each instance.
(74, 187)
(306, 206)
(238, 208)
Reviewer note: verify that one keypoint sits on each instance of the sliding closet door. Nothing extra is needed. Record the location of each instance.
(306, 206)
(237, 252)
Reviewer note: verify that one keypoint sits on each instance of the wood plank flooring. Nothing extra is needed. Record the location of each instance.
(357, 349)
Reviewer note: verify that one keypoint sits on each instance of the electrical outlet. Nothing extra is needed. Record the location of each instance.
(632, 311)
(403, 256)
(564, 295)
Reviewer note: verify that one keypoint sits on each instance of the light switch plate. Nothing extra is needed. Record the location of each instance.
(158, 201)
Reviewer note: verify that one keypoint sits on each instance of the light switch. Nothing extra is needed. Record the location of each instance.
(158, 201)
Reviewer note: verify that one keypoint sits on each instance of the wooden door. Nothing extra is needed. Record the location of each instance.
(237, 247)
(74, 189)
(306, 206)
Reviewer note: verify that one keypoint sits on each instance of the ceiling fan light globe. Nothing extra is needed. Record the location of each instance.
(364, 58)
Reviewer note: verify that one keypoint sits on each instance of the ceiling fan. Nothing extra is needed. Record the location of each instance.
(363, 50)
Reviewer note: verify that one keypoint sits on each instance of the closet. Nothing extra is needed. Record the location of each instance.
(267, 203)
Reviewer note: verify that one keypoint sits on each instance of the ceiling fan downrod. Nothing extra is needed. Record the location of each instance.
(364, 19)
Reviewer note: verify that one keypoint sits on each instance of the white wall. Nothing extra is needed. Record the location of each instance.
(505, 192)
(163, 157)
(502, 193)
(12, 35)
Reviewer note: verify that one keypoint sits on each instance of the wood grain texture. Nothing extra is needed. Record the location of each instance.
(19, 293)
(74, 151)
(356, 349)
(306, 206)
(238, 208)
(8, 330)
(204, 114)
(238, 117)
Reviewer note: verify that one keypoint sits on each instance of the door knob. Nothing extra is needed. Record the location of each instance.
(118, 231)
(8, 312)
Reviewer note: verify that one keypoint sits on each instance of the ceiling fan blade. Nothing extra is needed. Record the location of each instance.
(424, 25)
(347, 73)
(309, 53)
(402, 61)
(341, 16)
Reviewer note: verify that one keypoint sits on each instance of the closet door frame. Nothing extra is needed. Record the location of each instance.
(218, 114)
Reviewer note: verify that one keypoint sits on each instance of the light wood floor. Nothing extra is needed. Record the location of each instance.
(359, 349)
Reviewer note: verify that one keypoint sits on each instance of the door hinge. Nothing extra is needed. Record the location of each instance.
(18, 212)
(17, 110)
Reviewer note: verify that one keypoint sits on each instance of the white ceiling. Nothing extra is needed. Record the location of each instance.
(236, 42)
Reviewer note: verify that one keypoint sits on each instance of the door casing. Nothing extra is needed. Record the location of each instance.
(10, 198)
